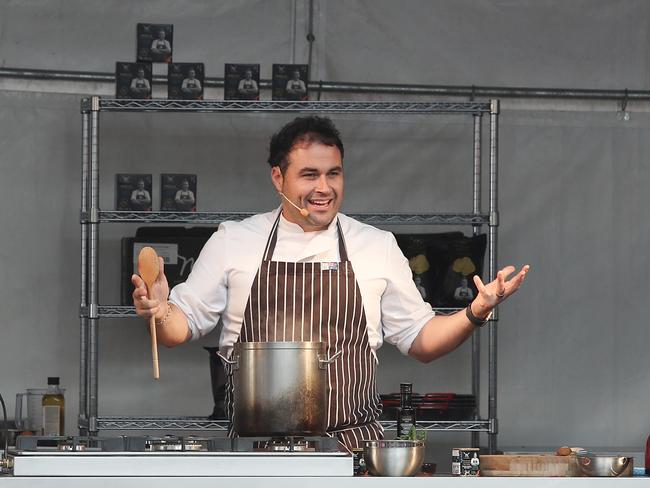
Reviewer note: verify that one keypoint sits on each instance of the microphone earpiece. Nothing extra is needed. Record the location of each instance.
(303, 211)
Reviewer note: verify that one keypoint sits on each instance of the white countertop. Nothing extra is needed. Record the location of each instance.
(320, 482)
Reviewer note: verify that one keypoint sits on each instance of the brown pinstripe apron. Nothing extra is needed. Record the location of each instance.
(293, 301)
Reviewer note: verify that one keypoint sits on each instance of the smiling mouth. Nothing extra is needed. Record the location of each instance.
(320, 203)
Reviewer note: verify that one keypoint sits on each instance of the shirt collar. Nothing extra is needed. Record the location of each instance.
(287, 226)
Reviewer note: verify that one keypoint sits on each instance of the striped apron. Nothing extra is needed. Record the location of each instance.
(293, 301)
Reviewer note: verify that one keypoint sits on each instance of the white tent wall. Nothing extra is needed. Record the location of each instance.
(573, 178)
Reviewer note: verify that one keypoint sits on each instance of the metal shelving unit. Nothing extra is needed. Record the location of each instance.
(201, 423)
(91, 216)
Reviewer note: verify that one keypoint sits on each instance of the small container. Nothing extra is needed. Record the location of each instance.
(359, 463)
(53, 408)
(465, 461)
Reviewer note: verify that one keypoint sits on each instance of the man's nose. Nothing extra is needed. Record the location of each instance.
(322, 185)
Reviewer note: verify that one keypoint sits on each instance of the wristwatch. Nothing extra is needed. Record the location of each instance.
(474, 319)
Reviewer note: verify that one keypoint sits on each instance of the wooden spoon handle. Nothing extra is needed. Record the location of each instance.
(154, 347)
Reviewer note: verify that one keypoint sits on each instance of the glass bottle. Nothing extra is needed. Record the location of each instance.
(406, 412)
(53, 408)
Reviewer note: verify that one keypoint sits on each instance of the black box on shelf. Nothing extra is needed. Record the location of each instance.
(133, 191)
(178, 246)
(185, 81)
(133, 80)
(444, 265)
(155, 43)
(290, 82)
(241, 82)
(177, 192)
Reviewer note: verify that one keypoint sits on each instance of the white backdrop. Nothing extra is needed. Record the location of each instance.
(573, 178)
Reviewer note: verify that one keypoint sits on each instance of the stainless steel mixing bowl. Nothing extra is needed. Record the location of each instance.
(393, 458)
(603, 465)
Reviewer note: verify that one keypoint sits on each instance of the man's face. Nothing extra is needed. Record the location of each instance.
(140, 73)
(296, 75)
(191, 74)
(140, 185)
(312, 180)
(185, 185)
(161, 35)
(249, 74)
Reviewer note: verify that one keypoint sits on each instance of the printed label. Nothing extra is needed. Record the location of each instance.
(51, 417)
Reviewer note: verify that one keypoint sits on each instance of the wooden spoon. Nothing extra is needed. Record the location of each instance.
(149, 267)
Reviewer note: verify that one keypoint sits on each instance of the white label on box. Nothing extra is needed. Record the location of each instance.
(169, 252)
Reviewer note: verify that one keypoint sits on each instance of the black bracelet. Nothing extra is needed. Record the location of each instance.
(474, 319)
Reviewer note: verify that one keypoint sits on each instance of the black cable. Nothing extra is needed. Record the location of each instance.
(6, 425)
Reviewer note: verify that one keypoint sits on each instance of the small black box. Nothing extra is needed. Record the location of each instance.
(290, 82)
(178, 246)
(155, 43)
(133, 80)
(133, 191)
(177, 192)
(241, 82)
(185, 81)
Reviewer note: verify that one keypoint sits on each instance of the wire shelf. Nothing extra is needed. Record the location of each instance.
(121, 311)
(218, 217)
(120, 105)
(202, 423)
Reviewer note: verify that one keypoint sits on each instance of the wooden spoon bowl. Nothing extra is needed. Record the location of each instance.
(149, 268)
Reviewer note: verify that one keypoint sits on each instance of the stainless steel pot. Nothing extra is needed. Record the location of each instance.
(280, 388)
(604, 465)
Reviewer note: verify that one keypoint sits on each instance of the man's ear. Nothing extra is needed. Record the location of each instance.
(277, 178)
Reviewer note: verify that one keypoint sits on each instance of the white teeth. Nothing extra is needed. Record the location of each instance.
(319, 202)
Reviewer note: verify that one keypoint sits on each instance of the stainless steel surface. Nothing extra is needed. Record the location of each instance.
(174, 463)
(393, 458)
(179, 456)
(604, 465)
(280, 388)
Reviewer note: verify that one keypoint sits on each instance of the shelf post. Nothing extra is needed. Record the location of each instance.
(492, 251)
(93, 277)
(83, 322)
(476, 229)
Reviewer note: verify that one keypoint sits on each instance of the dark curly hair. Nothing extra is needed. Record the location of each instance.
(302, 130)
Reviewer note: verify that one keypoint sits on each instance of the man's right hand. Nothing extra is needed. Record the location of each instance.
(156, 304)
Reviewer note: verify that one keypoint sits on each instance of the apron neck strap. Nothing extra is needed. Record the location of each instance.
(273, 239)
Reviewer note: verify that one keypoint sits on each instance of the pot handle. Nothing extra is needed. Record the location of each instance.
(322, 363)
(234, 364)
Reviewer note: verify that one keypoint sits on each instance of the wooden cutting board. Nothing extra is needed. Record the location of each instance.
(529, 465)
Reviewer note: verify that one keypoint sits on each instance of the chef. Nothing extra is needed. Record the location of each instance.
(305, 272)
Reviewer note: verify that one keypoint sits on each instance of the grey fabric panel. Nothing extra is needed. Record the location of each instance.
(584, 43)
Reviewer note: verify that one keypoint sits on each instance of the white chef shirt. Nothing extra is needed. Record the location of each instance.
(220, 282)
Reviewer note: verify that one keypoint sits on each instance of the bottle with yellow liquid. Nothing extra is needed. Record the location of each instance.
(53, 408)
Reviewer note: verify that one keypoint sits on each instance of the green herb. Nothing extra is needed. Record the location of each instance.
(414, 435)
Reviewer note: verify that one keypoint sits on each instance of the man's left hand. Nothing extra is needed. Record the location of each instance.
(490, 295)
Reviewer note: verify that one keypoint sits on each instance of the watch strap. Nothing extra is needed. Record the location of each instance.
(474, 319)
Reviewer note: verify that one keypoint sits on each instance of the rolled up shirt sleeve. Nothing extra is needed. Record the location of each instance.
(203, 296)
(403, 311)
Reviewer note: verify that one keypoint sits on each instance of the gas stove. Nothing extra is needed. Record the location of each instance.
(179, 456)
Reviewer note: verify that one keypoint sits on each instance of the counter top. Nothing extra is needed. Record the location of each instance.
(320, 482)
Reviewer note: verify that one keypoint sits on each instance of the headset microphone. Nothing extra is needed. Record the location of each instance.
(303, 211)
